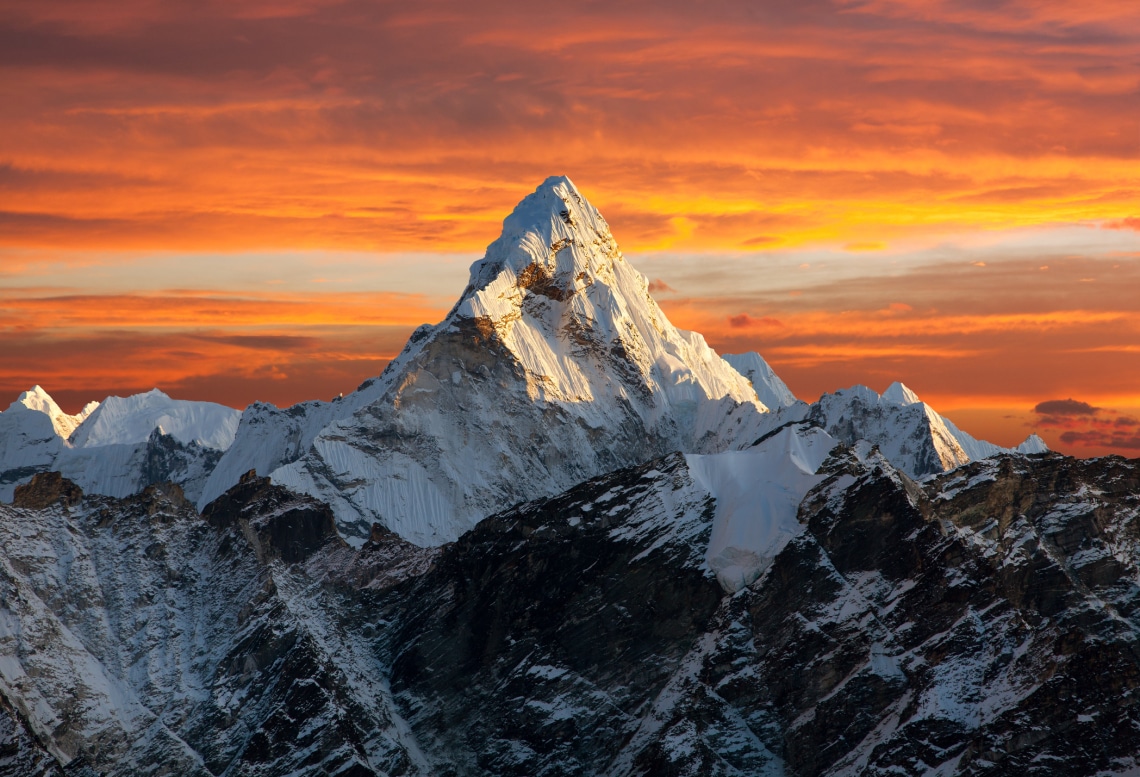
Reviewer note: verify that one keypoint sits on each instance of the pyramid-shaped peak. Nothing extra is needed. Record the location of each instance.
(900, 395)
(37, 399)
(555, 198)
(553, 244)
(1033, 444)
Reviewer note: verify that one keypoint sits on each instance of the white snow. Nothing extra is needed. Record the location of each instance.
(103, 449)
(40, 401)
(900, 394)
(758, 492)
(772, 391)
(555, 366)
(909, 433)
(128, 420)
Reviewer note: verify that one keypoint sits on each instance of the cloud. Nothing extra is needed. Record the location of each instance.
(787, 127)
(210, 309)
(745, 321)
(1132, 222)
(1065, 407)
(1100, 439)
(367, 124)
(1087, 428)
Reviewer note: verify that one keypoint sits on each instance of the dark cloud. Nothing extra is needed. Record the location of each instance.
(745, 321)
(1065, 407)
(1098, 439)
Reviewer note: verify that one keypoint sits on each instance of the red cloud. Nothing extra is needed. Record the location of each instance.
(1132, 222)
(745, 321)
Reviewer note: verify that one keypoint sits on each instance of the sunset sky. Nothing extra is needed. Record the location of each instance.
(259, 200)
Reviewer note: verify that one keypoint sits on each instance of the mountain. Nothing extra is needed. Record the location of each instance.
(908, 432)
(559, 536)
(117, 447)
(894, 627)
(30, 438)
(772, 391)
(130, 420)
(554, 366)
(40, 401)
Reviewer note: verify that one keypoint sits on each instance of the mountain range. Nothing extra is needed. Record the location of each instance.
(558, 535)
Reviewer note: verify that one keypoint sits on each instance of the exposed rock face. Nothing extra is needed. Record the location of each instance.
(20, 754)
(46, 489)
(138, 638)
(983, 622)
(907, 629)
(275, 521)
(536, 642)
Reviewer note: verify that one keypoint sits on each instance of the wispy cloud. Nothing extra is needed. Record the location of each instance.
(351, 125)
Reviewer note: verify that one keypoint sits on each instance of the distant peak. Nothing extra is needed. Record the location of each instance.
(37, 399)
(1033, 444)
(900, 395)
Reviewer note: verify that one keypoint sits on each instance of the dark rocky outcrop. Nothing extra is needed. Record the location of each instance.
(46, 489)
(535, 641)
(983, 622)
(277, 522)
(21, 755)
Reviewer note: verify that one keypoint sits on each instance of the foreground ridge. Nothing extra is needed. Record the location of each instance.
(903, 627)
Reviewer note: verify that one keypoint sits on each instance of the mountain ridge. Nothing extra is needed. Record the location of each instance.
(556, 338)
(559, 536)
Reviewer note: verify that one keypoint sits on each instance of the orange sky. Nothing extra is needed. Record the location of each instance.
(259, 200)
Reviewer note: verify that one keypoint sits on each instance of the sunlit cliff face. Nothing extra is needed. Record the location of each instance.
(236, 201)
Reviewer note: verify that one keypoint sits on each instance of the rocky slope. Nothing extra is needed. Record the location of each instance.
(981, 622)
(907, 431)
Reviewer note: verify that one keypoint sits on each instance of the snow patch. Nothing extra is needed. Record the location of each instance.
(758, 492)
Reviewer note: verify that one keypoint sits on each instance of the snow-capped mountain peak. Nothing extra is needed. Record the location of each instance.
(772, 391)
(911, 435)
(115, 448)
(1032, 444)
(900, 395)
(130, 420)
(532, 248)
(38, 400)
(556, 290)
(554, 366)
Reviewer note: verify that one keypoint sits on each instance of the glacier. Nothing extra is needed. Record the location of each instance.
(116, 447)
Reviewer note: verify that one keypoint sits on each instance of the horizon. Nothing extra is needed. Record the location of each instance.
(261, 203)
